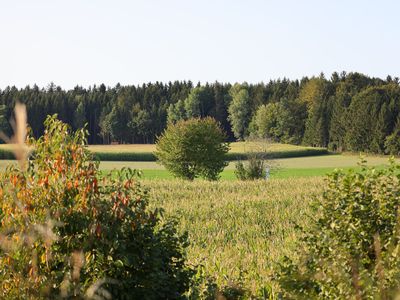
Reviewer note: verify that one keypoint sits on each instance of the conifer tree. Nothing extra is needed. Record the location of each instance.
(79, 118)
(4, 125)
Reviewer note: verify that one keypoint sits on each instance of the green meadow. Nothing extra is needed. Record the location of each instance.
(281, 168)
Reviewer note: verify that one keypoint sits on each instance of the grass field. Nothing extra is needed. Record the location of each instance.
(286, 168)
(329, 161)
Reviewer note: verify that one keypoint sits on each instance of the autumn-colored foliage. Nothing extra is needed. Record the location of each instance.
(67, 231)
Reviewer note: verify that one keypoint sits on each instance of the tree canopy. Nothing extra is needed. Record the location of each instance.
(193, 148)
(348, 112)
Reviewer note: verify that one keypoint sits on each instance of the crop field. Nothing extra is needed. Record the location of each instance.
(236, 147)
(144, 152)
(238, 230)
(141, 148)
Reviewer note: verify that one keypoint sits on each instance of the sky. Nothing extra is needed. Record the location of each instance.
(86, 42)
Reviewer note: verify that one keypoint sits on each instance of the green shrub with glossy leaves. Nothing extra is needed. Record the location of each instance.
(193, 148)
(352, 250)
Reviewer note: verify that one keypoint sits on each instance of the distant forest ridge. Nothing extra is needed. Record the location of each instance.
(347, 112)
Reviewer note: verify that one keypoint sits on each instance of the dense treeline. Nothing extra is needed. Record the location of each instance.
(348, 112)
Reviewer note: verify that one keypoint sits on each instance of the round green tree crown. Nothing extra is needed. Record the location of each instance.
(193, 148)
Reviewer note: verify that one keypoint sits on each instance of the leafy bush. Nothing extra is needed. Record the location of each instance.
(257, 161)
(193, 148)
(352, 249)
(67, 232)
(254, 168)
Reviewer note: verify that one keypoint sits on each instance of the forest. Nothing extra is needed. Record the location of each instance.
(347, 112)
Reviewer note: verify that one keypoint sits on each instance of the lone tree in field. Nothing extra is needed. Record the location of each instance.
(193, 148)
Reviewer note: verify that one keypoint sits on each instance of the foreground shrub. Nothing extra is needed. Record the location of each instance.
(352, 249)
(193, 148)
(67, 232)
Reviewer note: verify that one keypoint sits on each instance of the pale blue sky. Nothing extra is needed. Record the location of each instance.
(90, 42)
